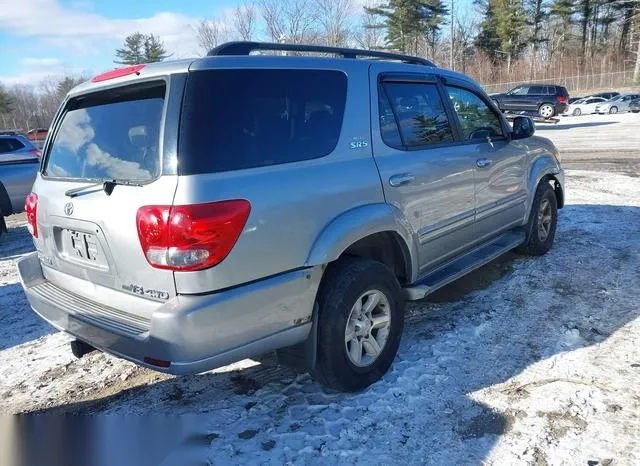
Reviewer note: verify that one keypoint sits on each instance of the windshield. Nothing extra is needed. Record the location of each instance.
(112, 134)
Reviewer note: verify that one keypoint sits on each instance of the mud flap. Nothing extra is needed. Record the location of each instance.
(302, 357)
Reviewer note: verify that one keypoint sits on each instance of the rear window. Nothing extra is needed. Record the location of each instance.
(10, 145)
(110, 135)
(235, 119)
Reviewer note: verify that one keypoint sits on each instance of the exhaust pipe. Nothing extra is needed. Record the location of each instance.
(80, 348)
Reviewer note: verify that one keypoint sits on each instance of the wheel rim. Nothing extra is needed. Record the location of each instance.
(546, 111)
(576, 112)
(613, 110)
(367, 329)
(545, 220)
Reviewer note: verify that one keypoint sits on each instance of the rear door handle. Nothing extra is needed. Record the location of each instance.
(401, 179)
(483, 163)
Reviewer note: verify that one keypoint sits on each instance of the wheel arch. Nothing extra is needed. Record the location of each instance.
(545, 170)
(377, 231)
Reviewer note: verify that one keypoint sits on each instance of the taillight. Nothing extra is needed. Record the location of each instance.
(31, 208)
(190, 237)
(562, 99)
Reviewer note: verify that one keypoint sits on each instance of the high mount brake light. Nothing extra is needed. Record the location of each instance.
(126, 71)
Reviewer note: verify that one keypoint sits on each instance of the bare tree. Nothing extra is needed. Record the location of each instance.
(292, 21)
(336, 20)
(370, 35)
(210, 34)
(245, 20)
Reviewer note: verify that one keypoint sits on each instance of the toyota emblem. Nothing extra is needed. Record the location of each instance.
(68, 208)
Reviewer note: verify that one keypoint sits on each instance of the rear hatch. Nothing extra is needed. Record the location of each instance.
(104, 160)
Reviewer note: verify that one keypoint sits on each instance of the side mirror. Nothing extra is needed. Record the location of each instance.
(523, 127)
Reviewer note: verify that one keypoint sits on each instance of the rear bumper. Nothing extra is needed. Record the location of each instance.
(195, 333)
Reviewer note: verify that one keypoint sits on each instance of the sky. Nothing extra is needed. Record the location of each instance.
(40, 38)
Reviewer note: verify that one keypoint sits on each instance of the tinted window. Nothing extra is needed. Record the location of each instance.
(537, 90)
(234, 119)
(550, 90)
(10, 145)
(388, 126)
(112, 134)
(477, 119)
(420, 114)
(520, 90)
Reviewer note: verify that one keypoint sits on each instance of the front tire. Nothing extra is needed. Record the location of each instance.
(361, 318)
(543, 221)
(577, 112)
(613, 110)
(546, 111)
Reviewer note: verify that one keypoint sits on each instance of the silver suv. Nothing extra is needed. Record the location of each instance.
(193, 213)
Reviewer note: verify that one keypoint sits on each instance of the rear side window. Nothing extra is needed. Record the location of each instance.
(235, 119)
(112, 134)
(537, 90)
(10, 145)
(419, 113)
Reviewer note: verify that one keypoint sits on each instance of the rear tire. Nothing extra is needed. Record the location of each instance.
(546, 111)
(543, 221)
(613, 110)
(361, 318)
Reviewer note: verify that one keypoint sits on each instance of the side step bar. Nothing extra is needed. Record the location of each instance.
(461, 266)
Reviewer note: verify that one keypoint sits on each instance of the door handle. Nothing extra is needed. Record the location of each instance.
(401, 179)
(483, 163)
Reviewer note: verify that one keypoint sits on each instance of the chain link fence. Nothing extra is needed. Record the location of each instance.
(576, 85)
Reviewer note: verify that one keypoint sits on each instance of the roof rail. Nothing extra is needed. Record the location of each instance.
(245, 48)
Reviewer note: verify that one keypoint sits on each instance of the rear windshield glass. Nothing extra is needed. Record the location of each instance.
(10, 145)
(110, 135)
(234, 119)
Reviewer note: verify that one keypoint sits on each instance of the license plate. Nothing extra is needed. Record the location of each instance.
(84, 246)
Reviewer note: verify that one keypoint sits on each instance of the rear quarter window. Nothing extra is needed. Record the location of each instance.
(246, 118)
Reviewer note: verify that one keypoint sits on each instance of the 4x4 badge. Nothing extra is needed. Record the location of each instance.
(68, 208)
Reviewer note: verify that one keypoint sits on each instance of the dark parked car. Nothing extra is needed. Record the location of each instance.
(634, 106)
(545, 99)
(606, 95)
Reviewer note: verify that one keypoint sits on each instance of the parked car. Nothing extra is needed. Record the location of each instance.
(584, 106)
(606, 95)
(634, 106)
(184, 228)
(547, 100)
(38, 136)
(617, 104)
(19, 161)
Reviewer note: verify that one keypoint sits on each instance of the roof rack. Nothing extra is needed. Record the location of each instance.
(245, 48)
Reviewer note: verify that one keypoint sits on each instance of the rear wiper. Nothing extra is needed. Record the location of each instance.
(107, 186)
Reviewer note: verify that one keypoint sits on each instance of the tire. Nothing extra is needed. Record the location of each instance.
(635, 111)
(349, 281)
(546, 111)
(577, 112)
(537, 243)
(613, 110)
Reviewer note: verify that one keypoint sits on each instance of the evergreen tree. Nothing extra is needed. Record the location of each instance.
(66, 84)
(141, 48)
(408, 22)
(538, 14)
(502, 32)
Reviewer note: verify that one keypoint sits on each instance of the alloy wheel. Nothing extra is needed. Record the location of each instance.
(367, 328)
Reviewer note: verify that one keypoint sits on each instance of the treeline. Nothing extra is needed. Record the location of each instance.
(495, 41)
